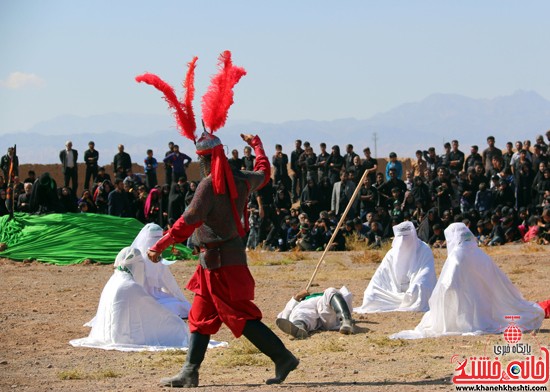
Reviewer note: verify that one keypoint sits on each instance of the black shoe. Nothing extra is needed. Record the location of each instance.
(188, 377)
(282, 368)
(268, 343)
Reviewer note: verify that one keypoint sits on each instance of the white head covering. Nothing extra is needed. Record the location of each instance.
(131, 259)
(404, 247)
(459, 234)
(159, 281)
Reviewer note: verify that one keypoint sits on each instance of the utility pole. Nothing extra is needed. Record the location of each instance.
(375, 137)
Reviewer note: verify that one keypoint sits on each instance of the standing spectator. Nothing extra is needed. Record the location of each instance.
(432, 162)
(91, 157)
(524, 183)
(335, 164)
(309, 167)
(358, 169)
(296, 169)
(179, 162)
(342, 192)
(489, 153)
(507, 156)
(348, 158)
(235, 163)
(121, 163)
(456, 158)
(248, 159)
(309, 199)
(5, 164)
(167, 166)
(538, 157)
(445, 158)
(68, 158)
(370, 164)
(473, 158)
(280, 163)
(150, 167)
(419, 166)
(394, 164)
(118, 204)
(321, 163)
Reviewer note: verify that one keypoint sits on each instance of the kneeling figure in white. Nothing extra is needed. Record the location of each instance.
(405, 279)
(130, 319)
(329, 310)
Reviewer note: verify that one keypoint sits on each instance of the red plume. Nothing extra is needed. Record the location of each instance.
(219, 97)
(189, 87)
(186, 126)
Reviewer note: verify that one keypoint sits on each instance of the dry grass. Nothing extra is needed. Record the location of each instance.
(241, 353)
(384, 341)
(77, 374)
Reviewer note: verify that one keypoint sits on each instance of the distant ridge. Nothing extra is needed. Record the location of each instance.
(404, 129)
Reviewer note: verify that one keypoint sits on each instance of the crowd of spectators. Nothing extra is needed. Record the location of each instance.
(502, 195)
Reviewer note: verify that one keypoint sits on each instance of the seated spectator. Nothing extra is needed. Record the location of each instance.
(24, 200)
(437, 240)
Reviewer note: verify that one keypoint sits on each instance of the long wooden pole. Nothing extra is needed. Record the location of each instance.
(338, 226)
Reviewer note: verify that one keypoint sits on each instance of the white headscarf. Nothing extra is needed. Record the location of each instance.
(131, 259)
(404, 247)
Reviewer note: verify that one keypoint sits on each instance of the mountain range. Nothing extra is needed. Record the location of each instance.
(404, 129)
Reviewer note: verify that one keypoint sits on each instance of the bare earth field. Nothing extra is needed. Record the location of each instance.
(42, 307)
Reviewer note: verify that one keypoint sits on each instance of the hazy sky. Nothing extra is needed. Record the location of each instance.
(311, 59)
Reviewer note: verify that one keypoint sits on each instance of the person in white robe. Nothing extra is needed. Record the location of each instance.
(405, 279)
(305, 312)
(159, 281)
(472, 295)
(130, 319)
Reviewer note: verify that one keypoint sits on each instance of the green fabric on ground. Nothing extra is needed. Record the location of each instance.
(71, 238)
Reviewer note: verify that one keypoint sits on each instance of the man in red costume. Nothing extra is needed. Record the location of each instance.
(222, 283)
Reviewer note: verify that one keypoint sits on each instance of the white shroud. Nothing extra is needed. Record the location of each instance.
(316, 311)
(406, 277)
(159, 281)
(128, 318)
(472, 295)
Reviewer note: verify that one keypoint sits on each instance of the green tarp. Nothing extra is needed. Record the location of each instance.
(70, 238)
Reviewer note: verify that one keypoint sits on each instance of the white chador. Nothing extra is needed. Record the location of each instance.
(159, 281)
(406, 277)
(130, 319)
(472, 295)
(316, 312)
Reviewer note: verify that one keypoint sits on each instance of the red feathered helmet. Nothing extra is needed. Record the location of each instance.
(215, 105)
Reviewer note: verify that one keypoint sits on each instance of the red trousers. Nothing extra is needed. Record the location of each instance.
(223, 295)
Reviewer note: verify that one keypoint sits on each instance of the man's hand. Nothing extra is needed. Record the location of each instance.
(247, 138)
(301, 295)
(153, 256)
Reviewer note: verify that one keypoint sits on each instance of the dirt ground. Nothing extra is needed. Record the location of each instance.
(42, 307)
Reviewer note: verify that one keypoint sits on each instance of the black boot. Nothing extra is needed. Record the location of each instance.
(268, 343)
(188, 377)
(340, 306)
